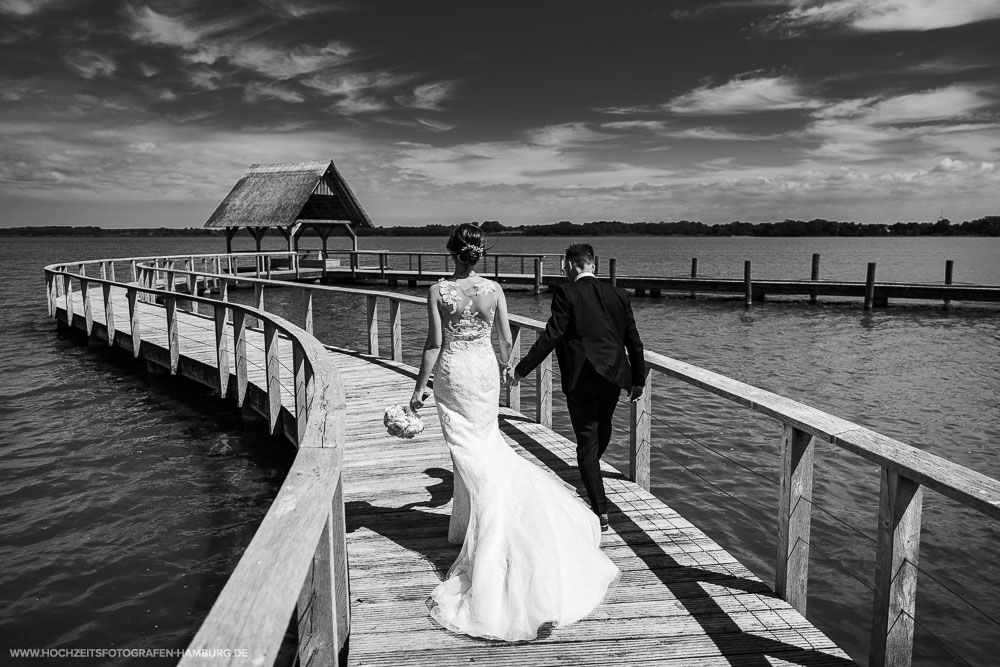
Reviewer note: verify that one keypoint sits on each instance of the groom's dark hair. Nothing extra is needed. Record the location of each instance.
(579, 254)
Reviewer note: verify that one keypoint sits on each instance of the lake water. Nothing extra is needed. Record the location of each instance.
(127, 501)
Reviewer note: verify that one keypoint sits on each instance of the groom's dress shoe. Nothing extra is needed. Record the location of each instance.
(603, 518)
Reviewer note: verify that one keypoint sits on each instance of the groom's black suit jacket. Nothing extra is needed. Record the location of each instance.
(591, 321)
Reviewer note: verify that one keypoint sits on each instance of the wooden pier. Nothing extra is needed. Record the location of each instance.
(358, 529)
(544, 270)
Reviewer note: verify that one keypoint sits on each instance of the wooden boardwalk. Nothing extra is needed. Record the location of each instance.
(681, 599)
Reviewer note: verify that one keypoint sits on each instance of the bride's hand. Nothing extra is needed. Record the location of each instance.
(418, 398)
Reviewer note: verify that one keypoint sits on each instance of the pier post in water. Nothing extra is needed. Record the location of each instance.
(694, 273)
(814, 275)
(870, 286)
(538, 276)
(949, 268)
(613, 271)
(747, 288)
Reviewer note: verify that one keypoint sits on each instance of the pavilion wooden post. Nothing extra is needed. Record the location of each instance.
(230, 233)
(640, 413)
(324, 235)
(898, 548)
(791, 578)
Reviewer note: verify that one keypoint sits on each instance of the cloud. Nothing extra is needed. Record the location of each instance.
(256, 91)
(644, 125)
(717, 134)
(280, 63)
(880, 15)
(435, 125)
(428, 96)
(564, 135)
(747, 94)
(90, 64)
(151, 27)
(303, 8)
(29, 7)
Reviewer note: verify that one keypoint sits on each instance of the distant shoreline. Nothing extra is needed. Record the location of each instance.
(987, 226)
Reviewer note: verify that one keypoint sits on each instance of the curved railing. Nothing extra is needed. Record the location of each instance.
(297, 559)
(905, 470)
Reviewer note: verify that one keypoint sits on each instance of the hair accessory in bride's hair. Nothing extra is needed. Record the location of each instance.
(402, 422)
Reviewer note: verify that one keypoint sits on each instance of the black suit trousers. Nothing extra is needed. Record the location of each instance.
(591, 403)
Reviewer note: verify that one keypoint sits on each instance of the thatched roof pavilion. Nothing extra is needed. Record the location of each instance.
(290, 197)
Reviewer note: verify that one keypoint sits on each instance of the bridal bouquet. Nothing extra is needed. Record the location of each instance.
(402, 422)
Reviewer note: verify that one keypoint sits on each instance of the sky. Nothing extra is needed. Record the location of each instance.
(145, 113)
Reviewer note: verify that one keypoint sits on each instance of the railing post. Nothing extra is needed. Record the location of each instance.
(496, 267)
(133, 318)
(88, 314)
(395, 331)
(372, 302)
(50, 296)
(898, 548)
(173, 339)
(420, 265)
(324, 607)
(308, 315)
(381, 264)
(639, 440)
(135, 274)
(222, 349)
(301, 383)
(109, 312)
(68, 287)
(870, 286)
(538, 276)
(543, 392)
(192, 281)
(258, 298)
(791, 578)
(272, 375)
(240, 354)
(111, 271)
(514, 391)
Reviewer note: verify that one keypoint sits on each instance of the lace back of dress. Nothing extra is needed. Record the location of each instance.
(474, 305)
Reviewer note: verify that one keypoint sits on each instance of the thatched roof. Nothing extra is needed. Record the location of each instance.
(282, 195)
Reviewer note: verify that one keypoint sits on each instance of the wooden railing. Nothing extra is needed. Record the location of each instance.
(297, 559)
(905, 470)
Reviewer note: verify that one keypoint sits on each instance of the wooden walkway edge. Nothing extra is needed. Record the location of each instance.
(681, 599)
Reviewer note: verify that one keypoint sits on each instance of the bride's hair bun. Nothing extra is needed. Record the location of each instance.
(467, 243)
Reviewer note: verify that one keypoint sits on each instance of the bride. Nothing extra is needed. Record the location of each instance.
(530, 549)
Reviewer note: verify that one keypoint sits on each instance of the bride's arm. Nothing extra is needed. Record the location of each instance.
(432, 347)
(502, 325)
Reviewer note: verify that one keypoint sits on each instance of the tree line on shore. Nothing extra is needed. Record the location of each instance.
(987, 226)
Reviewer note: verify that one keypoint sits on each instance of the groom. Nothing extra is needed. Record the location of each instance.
(591, 328)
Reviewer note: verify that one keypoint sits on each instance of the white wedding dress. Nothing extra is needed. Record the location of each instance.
(530, 548)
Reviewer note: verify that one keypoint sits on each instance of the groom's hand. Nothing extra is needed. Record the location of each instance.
(636, 392)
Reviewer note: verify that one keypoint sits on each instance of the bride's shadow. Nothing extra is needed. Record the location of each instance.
(423, 533)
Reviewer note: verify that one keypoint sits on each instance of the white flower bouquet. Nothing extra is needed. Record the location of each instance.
(402, 422)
